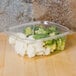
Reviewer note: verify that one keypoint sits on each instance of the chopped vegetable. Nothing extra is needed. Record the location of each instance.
(40, 31)
(28, 31)
(60, 43)
(48, 42)
(52, 28)
(41, 47)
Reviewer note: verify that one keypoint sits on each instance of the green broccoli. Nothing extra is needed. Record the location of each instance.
(48, 42)
(51, 44)
(28, 31)
(53, 47)
(53, 29)
(52, 34)
(40, 31)
(60, 43)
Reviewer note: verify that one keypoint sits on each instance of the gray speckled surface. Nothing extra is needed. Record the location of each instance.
(60, 11)
(14, 12)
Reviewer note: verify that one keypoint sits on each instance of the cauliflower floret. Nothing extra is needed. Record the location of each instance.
(39, 48)
(47, 51)
(21, 35)
(30, 51)
(20, 47)
(12, 39)
(31, 37)
(28, 42)
(41, 52)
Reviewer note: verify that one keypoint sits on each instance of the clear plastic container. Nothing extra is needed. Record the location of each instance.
(33, 47)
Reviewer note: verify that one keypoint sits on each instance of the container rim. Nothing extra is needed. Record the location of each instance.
(68, 31)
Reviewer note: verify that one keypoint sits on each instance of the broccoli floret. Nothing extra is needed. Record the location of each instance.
(52, 34)
(61, 43)
(53, 29)
(28, 31)
(40, 31)
(52, 45)
(48, 42)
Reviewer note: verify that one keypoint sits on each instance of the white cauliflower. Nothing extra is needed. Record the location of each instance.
(39, 48)
(31, 37)
(28, 47)
(30, 51)
(47, 51)
(20, 47)
(12, 39)
(21, 35)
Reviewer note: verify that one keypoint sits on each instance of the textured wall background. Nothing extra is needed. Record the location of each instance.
(60, 11)
(73, 14)
(14, 12)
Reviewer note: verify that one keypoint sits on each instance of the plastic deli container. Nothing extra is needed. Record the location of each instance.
(37, 38)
